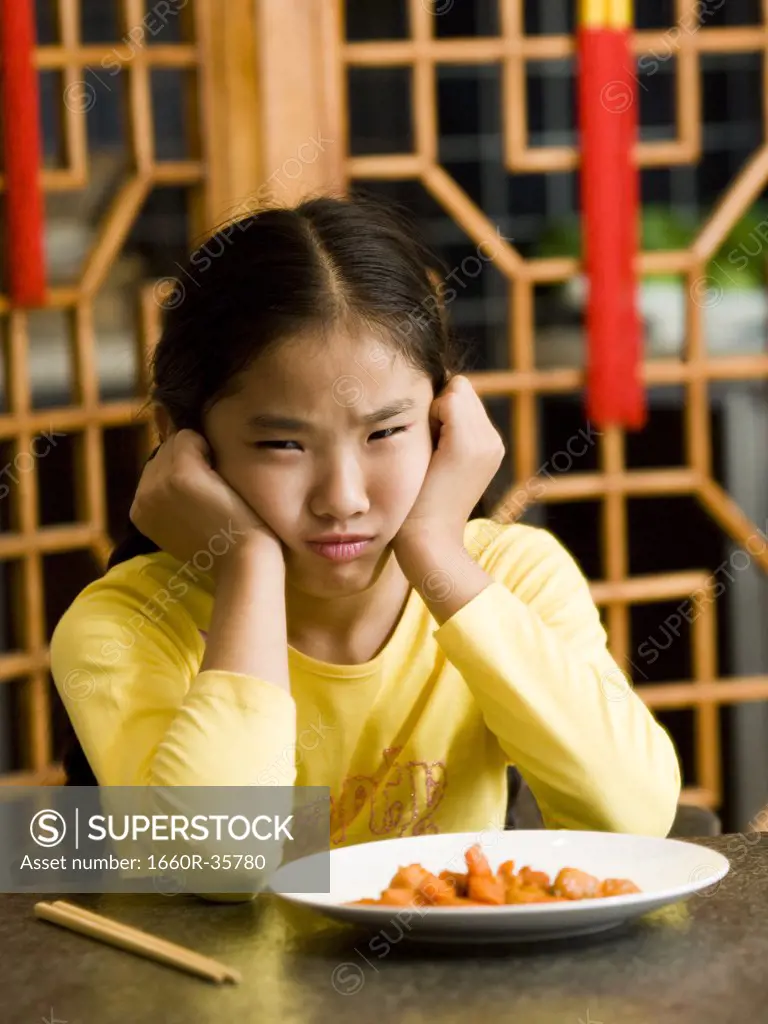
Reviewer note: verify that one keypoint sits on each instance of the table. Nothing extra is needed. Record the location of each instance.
(703, 960)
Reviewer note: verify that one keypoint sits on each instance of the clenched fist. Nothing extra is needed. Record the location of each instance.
(185, 507)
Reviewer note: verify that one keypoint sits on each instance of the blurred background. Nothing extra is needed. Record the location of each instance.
(163, 119)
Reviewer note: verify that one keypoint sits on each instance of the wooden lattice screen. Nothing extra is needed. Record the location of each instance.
(614, 484)
(293, 100)
(222, 163)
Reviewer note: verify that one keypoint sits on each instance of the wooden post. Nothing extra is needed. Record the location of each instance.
(303, 114)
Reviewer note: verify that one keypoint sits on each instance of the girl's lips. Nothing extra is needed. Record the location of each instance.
(340, 552)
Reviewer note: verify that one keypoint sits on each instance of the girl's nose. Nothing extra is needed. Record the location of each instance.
(340, 493)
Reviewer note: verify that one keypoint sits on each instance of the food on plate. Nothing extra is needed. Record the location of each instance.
(481, 886)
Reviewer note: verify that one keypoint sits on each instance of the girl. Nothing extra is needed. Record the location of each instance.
(306, 598)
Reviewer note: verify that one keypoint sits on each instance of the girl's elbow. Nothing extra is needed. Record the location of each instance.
(654, 809)
(657, 790)
(660, 817)
(669, 785)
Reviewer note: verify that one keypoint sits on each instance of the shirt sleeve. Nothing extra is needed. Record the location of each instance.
(143, 713)
(533, 652)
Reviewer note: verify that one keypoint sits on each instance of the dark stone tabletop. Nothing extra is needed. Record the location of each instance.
(703, 960)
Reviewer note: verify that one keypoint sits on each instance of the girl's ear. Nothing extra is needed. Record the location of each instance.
(163, 422)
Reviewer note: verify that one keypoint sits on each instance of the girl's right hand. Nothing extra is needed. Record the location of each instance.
(185, 507)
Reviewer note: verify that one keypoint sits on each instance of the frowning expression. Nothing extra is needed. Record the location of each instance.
(327, 435)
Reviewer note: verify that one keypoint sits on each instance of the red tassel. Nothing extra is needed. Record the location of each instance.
(23, 154)
(609, 204)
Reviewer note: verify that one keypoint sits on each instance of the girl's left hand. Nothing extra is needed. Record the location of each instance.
(468, 454)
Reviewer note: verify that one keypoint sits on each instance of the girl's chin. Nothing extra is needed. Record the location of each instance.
(328, 589)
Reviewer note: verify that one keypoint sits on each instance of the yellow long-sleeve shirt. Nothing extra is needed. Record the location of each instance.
(416, 740)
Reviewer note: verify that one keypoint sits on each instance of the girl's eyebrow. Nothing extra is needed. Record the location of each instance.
(268, 420)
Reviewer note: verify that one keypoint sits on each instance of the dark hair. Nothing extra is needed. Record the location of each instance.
(280, 273)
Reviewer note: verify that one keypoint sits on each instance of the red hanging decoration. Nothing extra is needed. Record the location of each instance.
(22, 149)
(610, 206)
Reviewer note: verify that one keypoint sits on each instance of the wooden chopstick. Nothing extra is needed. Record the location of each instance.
(133, 940)
(230, 974)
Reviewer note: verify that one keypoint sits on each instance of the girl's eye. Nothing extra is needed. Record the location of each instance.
(383, 435)
(389, 432)
(277, 445)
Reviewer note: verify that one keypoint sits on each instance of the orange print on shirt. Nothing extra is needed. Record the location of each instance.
(400, 798)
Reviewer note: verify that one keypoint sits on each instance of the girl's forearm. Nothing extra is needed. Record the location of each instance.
(443, 572)
(248, 631)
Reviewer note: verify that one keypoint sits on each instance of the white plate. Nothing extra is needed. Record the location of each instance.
(666, 870)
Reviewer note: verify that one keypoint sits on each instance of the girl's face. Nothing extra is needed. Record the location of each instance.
(327, 435)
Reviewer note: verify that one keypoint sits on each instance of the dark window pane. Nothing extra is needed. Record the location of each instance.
(730, 12)
(658, 104)
(577, 525)
(46, 22)
(56, 504)
(51, 369)
(172, 116)
(51, 93)
(99, 21)
(457, 18)
(385, 19)
(380, 110)
(553, 17)
(662, 442)
(167, 23)
(655, 14)
(690, 538)
(551, 96)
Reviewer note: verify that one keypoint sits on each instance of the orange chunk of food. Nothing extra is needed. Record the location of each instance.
(457, 880)
(617, 887)
(401, 898)
(486, 890)
(507, 871)
(530, 894)
(530, 877)
(414, 886)
(477, 862)
(436, 890)
(576, 885)
(409, 877)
